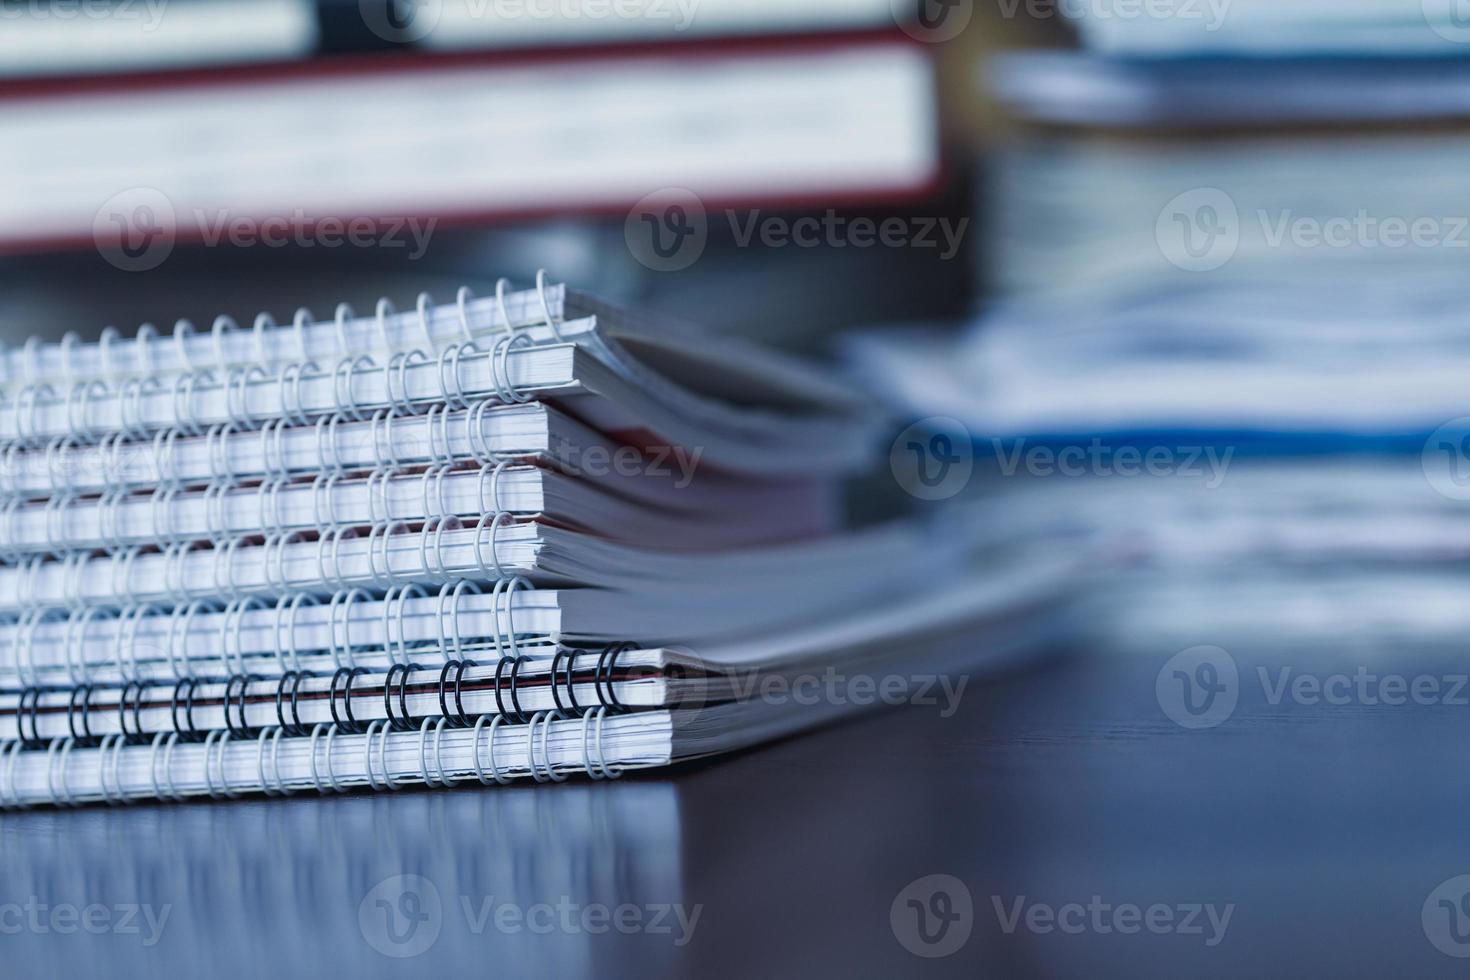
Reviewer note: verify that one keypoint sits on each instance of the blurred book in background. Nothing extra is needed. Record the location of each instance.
(1270, 28)
(464, 140)
(59, 39)
(350, 150)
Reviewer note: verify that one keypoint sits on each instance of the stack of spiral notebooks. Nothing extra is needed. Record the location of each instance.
(510, 537)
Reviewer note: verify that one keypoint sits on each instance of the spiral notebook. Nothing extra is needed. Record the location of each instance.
(509, 537)
(475, 730)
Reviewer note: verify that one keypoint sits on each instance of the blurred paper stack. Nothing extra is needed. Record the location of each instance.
(1228, 342)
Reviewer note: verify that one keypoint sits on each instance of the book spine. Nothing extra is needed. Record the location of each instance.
(203, 397)
(352, 698)
(146, 642)
(167, 767)
(120, 463)
(440, 550)
(275, 504)
(226, 348)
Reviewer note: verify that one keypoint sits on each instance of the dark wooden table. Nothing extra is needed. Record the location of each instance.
(1077, 824)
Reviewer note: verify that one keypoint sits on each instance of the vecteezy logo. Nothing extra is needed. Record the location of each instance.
(400, 21)
(1446, 917)
(1446, 459)
(1199, 231)
(1198, 687)
(933, 21)
(933, 916)
(1450, 19)
(135, 229)
(933, 458)
(667, 231)
(401, 916)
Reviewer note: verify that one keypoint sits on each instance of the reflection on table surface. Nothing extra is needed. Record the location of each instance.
(1320, 829)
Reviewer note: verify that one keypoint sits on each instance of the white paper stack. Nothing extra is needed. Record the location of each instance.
(508, 537)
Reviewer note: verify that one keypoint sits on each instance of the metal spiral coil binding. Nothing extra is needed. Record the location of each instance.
(516, 712)
(293, 407)
(500, 368)
(73, 567)
(268, 501)
(183, 329)
(572, 707)
(495, 722)
(378, 541)
(25, 640)
(451, 384)
(230, 628)
(9, 794)
(216, 449)
(11, 553)
(332, 785)
(185, 689)
(601, 770)
(448, 616)
(179, 621)
(502, 595)
(326, 439)
(24, 406)
(385, 447)
(330, 570)
(111, 749)
(74, 638)
(10, 478)
(214, 517)
(341, 315)
(397, 368)
(165, 461)
(31, 695)
(223, 348)
(220, 738)
(347, 675)
(237, 388)
(132, 617)
(109, 526)
(457, 717)
(59, 750)
(343, 376)
(273, 446)
(236, 689)
(272, 735)
(438, 777)
(377, 493)
(490, 569)
(54, 514)
(397, 648)
(78, 410)
(602, 678)
(186, 419)
(293, 679)
(551, 321)
(437, 421)
(403, 721)
(432, 502)
(552, 774)
(120, 574)
(136, 735)
(82, 693)
(55, 453)
(159, 741)
(290, 605)
(340, 650)
(367, 756)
